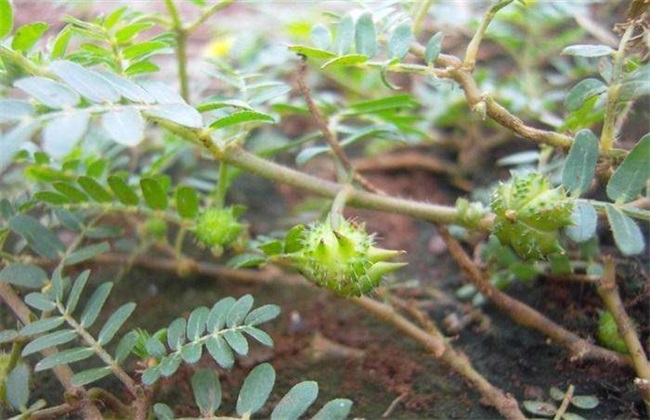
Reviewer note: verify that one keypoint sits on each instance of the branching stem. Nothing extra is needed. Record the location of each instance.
(473, 46)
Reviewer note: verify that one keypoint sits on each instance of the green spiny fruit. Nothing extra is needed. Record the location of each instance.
(217, 228)
(342, 258)
(529, 215)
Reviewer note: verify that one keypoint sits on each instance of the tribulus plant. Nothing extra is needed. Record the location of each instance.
(341, 256)
(530, 214)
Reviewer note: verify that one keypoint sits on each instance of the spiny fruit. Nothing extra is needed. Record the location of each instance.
(217, 228)
(529, 215)
(342, 258)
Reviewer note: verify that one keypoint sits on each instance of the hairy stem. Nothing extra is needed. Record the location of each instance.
(608, 135)
(472, 47)
(181, 48)
(420, 15)
(565, 403)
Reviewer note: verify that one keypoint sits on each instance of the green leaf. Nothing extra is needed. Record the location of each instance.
(87, 82)
(219, 313)
(311, 52)
(155, 348)
(196, 324)
(540, 408)
(123, 191)
(395, 102)
(207, 391)
(293, 239)
(114, 323)
(141, 68)
(14, 110)
(124, 125)
(246, 260)
(64, 357)
(60, 44)
(95, 304)
(178, 113)
(256, 389)
(259, 335)
(338, 409)
(76, 290)
(57, 286)
(6, 18)
(42, 240)
(633, 175)
(42, 325)
(400, 40)
(346, 60)
(24, 275)
(236, 341)
(137, 51)
(153, 193)
(240, 118)
(151, 375)
(584, 222)
(94, 189)
(127, 88)
(433, 48)
(627, 234)
(580, 165)
(572, 416)
(17, 387)
(163, 412)
(321, 37)
(8, 336)
(262, 314)
(191, 352)
(125, 346)
(272, 247)
(49, 340)
(48, 92)
(90, 375)
(220, 352)
(239, 310)
(187, 202)
(344, 35)
(176, 333)
(365, 35)
(296, 402)
(588, 50)
(582, 92)
(28, 35)
(40, 301)
(585, 402)
(12, 142)
(129, 32)
(86, 253)
(61, 134)
(73, 194)
(170, 364)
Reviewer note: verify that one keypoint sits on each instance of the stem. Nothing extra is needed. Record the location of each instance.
(565, 403)
(222, 186)
(206, 14)
(608, 292)
(525, 315)
(608, 135)
(441, 349)
(472, 47)
(420, 15)
(336, 213)
(181, 48)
